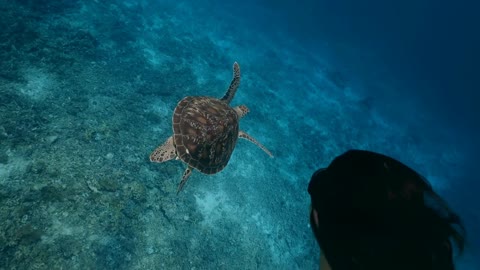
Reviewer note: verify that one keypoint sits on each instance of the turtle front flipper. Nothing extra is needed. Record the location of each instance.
(233, 85)
(185, 176)
(244, 135)
(241, 110)
(164, 152)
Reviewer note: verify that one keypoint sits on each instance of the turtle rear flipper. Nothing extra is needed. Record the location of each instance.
(244, 135)
(164, 152)
(185, 176)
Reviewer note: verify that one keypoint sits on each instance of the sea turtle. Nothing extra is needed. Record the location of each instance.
(205, 131)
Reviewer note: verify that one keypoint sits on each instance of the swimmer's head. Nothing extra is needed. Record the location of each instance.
(370, 211)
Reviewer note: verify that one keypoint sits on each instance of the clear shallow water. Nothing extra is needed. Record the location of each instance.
(86, 93)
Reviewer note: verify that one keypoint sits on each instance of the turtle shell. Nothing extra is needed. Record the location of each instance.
(205, 131)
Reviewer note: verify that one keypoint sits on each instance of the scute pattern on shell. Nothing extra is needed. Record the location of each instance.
(205, 131)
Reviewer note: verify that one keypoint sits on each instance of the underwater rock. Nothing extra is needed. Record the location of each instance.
(27, 234)
(113, 252)
(3, 158)
(67, 246)
(51, 194)
(3, 242)
(36, 167)
(136, 191)
(131, 209)
(108, 184)
(51, 139)
(3, 133)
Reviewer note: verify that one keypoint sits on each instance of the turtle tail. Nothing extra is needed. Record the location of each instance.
(233, 85)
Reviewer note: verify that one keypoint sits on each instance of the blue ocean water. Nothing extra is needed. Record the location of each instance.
(87, 91)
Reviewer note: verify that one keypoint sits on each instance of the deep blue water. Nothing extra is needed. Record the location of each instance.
(87, 91)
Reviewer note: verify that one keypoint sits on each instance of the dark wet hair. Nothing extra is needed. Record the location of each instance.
(376, 213)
